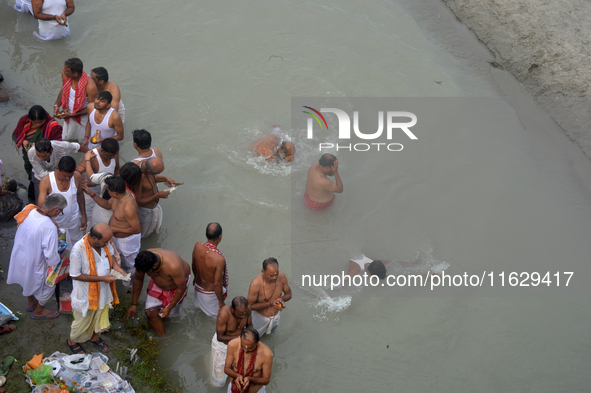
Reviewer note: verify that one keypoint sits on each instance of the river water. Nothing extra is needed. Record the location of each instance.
(490, 185)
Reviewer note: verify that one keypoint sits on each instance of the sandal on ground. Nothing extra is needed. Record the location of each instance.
(5, 366)
(100, 344)
(76, 348)
(5, 329)
(47, 315)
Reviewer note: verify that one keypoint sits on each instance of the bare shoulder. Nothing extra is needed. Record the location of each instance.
(77, 178)
(256, 282)
(282, 277)
(233, 345)
(157, 152)
(265, 350)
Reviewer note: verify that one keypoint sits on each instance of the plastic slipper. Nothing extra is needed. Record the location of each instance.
(2, 381)
(5, 367)
(30, 309)
(76, 348)
(5, 329)
(100, 344)
(46, 316)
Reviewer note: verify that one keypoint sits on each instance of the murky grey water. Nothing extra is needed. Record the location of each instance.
(502, 191)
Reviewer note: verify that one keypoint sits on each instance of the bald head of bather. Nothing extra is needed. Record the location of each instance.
(154, 165)
(99, 235)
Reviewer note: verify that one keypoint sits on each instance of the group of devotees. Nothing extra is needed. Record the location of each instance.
(102, 210)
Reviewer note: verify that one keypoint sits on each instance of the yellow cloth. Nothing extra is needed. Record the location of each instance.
(83, 327)
(94, 287)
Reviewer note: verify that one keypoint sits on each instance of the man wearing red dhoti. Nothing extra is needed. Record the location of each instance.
(320, 189)
(78, 90)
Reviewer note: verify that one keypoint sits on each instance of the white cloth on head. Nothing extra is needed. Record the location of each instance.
(207, 301)
(128, 248)
(261, 390)
(103, 129)
(60, 149)
(152, 302)
(263, 324)
(219, 351)
(150, 219)
(50, 29)
(79, 265)
(23, 6)
(34, 250)
(73, 131)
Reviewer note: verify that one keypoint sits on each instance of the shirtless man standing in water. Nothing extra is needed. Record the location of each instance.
(124, 222)
(248, 363)
(169, 280)
(319, 188)
(267, 295)
(147, 194)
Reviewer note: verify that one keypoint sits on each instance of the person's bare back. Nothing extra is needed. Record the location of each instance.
(207, 265)
(124, 221)
(174, 269)
(319, 188)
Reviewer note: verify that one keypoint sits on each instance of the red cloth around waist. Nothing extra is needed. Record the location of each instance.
(315, 205)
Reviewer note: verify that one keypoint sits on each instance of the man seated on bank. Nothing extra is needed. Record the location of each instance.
(267, 295)
(229, 324)
(169, 280)
(274, 147)
(248, 363)
(100, 76)
(319, 188)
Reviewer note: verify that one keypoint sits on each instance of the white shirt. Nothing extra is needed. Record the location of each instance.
(60, 149)
(79, 265)
(34, 250)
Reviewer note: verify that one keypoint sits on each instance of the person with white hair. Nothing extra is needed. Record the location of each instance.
(34, 251)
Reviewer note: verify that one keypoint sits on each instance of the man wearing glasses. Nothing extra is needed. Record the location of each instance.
(68, 183)
(34, 250)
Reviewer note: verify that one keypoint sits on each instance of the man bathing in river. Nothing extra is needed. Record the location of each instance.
(229, 324)
(274, 147)
(142, 142)
(147, 194)
(211, 272)
(123, 222)
(100, 76)
(248, 363)
(319, 188)
(169, 281)
(267, 295)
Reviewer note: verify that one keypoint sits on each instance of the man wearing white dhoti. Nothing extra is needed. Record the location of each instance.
(68, 183)
(100, 76)
(34, 251)
(229, 323)
(91, 261)
(52, 16)
(267, 295)
(211, 272)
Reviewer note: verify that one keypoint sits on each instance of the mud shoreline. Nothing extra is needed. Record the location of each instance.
(545, 45)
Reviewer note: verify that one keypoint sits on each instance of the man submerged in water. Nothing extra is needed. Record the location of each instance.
(274, 147)
(319, 188)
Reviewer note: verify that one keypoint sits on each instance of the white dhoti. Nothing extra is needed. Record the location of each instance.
(207, 301)
(44, 293)
(128, 248)
(263, 324)
(73, 234)
(219, 350)
(261, 390)
(152, 302)
(150, 219)
(51, 30)
(99, 215)
(73, 131)
(121, 111)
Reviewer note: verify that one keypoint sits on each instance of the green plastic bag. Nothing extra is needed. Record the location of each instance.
(41, 375)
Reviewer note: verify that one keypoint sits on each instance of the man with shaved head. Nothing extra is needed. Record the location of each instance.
(230, 322)
(147, 195)
(320, 189)
(91, 261)
(211, 272)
